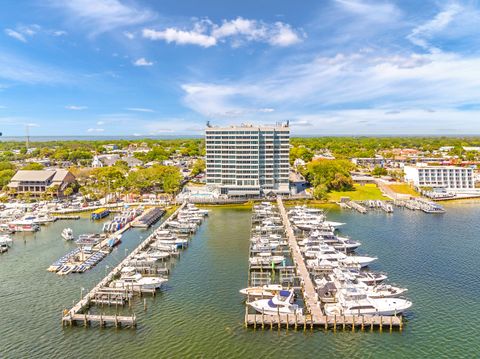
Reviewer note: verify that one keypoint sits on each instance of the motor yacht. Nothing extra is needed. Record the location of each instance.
(131, 279)
(353, 300)
(281, 303)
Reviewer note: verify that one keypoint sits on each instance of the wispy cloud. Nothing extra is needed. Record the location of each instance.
(142, 62)
(95, 130)
(421, 34)
(205, 33)
(101, 16)
(375, 11)
(18, 69)
(76, 108)
(16, 35)
(139, 109)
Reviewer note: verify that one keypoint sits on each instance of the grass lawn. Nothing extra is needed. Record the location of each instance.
(404, 189)
(361, 193)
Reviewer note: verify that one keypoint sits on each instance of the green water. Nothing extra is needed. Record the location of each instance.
(200, 314)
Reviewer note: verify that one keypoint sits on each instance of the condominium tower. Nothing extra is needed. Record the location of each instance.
(248, 160)
(447, 177)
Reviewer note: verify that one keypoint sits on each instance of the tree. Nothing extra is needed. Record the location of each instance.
(320, 192)
(198, 167)
(33, 166)
(379, 171)
(68, 191)
(333, 174)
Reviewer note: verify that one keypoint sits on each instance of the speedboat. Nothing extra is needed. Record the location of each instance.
(266, 259)
(67, 234)
(131, 279)
(281, 303)
(266, 291)
(6, 240)
(385, 291)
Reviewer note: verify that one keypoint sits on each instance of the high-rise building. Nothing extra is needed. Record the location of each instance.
(248, 160)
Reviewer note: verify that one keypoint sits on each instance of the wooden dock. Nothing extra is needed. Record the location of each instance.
(309, 293)
(79, 312)
(326, 322)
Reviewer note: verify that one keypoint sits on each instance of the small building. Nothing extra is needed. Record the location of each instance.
(39, 182)
(111, 159)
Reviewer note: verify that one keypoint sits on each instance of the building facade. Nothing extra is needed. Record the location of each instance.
(447, 177)
(248, 160)
(38, 182)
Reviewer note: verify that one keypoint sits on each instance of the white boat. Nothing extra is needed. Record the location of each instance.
(266, 259)
(353, 300)
(266, 291)
(67, 234)
(281, 303)
(385, 291)
(6, 240)
(131, 279)
(23, 226)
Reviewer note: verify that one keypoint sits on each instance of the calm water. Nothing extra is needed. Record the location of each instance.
(201, 313)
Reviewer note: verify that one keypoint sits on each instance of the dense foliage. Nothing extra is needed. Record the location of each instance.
(328, 175)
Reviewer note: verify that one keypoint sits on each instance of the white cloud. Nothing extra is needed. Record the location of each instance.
(100, 123)
(142, 62)
(205, 33)
(420, 35)
(16, 35)
(95, 130)
(129, 35)
(283, 35)
(59, 33)
(440, 81)
(101, 16)
(375, 11)
(139, 109)
(76, 108)
(180, 37)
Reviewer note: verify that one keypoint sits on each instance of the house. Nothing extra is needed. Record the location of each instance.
(38, 182)
(110, 160)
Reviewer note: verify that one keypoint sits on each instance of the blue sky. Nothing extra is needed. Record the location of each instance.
(132, 67)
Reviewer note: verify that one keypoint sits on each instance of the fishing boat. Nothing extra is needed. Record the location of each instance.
(67, 234)
(281, 303)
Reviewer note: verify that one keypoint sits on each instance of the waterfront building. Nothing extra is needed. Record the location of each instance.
(38, 182)
(451, 178)
(248, 160)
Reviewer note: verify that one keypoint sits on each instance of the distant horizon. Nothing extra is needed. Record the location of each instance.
(33, 139)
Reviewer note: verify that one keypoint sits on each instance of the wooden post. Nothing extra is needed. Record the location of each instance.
(391, 323)
(353, 323)
(344, 322)
(246, 316)
(311, 321)
(278, 317)
(255, 320)
(371, 323)
(363, 321)
(288, 323)
(401, 322)
(145, 304)
(381, 323)
(334, 322)
(326, 322)
(296, 320)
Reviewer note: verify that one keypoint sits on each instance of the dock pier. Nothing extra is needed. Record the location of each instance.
(79, 312)
(313, 316)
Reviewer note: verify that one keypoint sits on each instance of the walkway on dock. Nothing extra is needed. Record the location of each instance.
(76, 312)
(309, 293)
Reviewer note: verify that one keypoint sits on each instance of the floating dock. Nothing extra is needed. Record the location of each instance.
(150, 217)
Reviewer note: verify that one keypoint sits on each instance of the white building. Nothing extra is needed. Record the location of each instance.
(248, 160)
(451, 178)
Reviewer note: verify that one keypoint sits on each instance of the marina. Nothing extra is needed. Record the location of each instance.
(216, 265)
(137, 273)
(280, 309)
